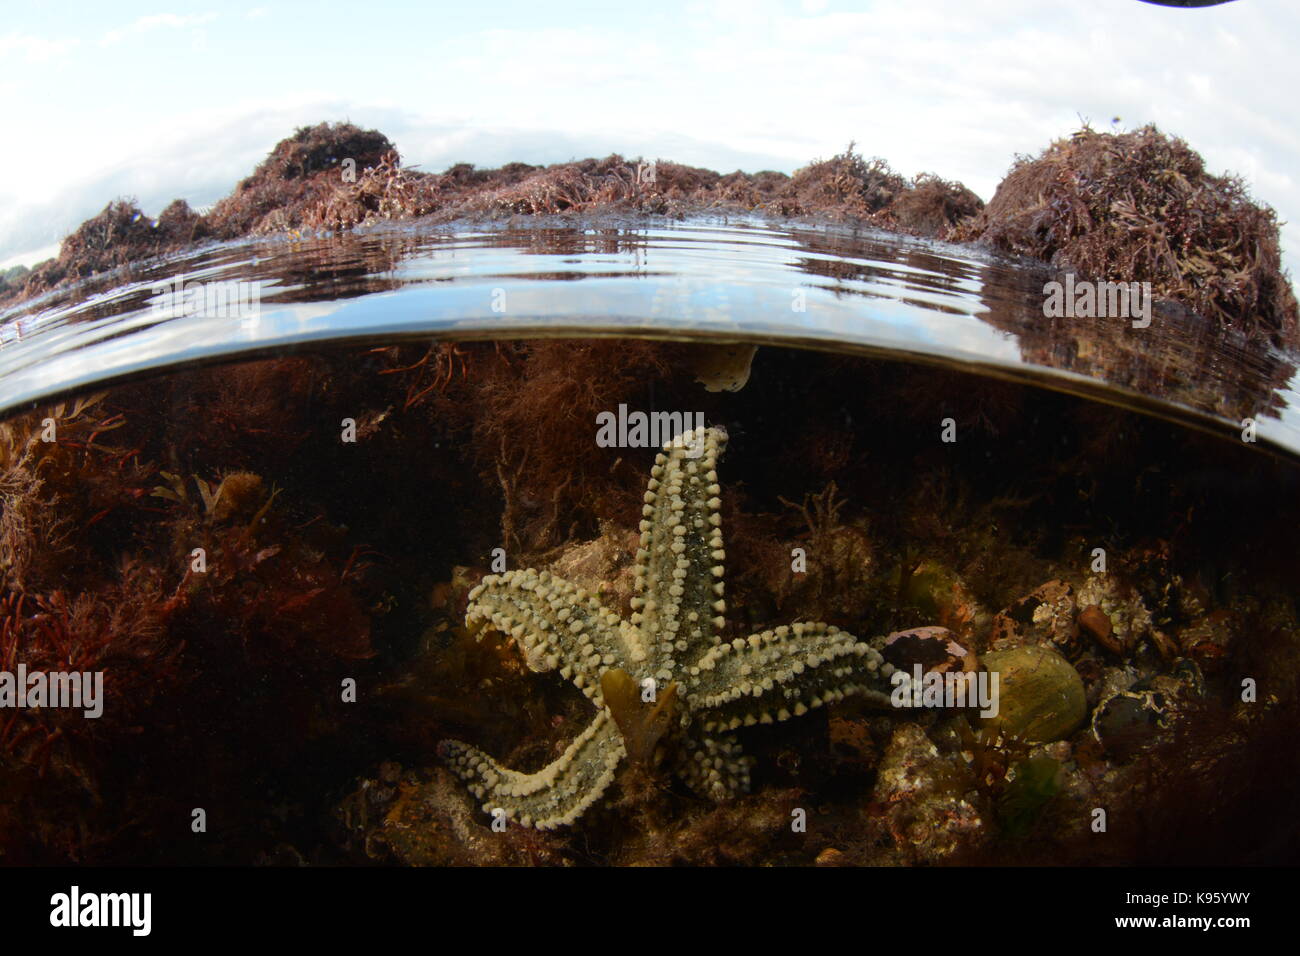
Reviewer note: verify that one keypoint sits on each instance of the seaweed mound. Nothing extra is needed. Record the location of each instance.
(300, 172)
(845, 186)
(119, 234)
(335, 176)
(315, 148)
(1117, 207)
(1140, 206)
(869, 190)
(933, 207)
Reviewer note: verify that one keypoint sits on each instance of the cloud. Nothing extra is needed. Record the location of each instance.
(147, 24)
(35, 49)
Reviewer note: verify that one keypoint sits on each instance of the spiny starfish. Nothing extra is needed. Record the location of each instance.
(672, 636)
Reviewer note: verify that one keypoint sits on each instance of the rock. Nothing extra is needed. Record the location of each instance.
(839, 580)
(1044, 616)
(1165, 645)
(1040, 696)
(831, 857)
(604, 566)
(941, 595)
(1095, 624)
(1110, 681)
(852, 746)
(921, 793)
(1129, 618)
(1205, 644)
(721, 368)
(931, 647)
(430, 820)
(1128, 722)
(1188, 673)
(1129, 719)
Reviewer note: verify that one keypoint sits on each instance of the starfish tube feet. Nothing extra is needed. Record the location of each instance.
(554, 796)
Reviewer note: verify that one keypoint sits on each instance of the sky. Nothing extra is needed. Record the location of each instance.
(163, 100)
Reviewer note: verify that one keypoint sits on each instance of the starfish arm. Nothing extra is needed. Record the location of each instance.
(557, 794)
(776, 675)
(714, 766)
(558, 625)
(678, 605)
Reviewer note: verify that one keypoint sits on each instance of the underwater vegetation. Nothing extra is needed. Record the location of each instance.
(113, 564)
(325, 560)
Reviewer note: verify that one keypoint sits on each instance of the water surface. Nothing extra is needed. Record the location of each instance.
(722, 279)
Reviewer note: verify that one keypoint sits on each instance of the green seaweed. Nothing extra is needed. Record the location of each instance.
(1037, 781)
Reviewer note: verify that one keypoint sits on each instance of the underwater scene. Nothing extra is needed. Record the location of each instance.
(599, 540)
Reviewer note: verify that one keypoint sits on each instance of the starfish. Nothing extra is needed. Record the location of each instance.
(670, 646)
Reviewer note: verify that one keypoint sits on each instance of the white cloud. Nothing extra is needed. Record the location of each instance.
(35, 49)
(147, 24)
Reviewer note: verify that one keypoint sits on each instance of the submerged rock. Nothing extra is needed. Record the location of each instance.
(1095, 623)
(931, 647)
(722, 368)
(1129, 618)
(922, 795)
(1128, 722)
(1040, 696)
(1045, 615)
(940, 594)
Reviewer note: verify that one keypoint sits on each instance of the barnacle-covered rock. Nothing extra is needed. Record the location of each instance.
(1130, 717)
(1128, 615)
(1111, 680)
(428, 819)
(1045, 615)
(603, 566)
(922, 793)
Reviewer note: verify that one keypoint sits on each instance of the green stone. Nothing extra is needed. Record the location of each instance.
(1041, 697)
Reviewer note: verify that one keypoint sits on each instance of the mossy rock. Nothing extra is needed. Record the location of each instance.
(1041, 697)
